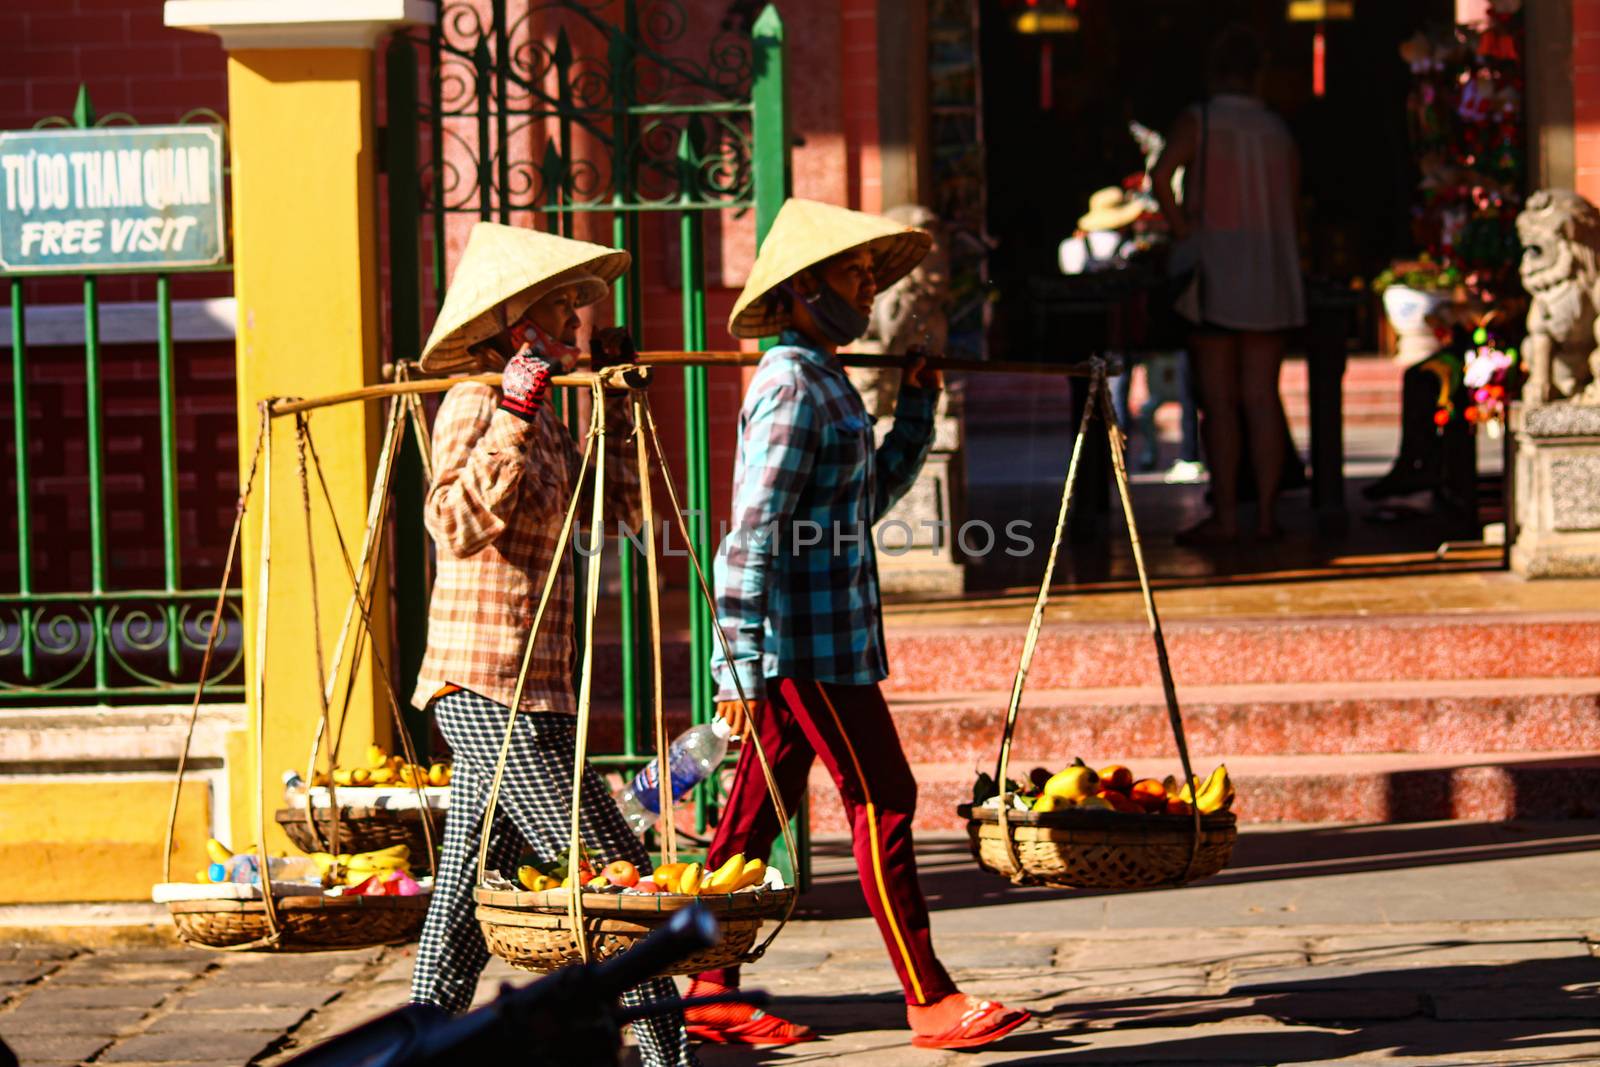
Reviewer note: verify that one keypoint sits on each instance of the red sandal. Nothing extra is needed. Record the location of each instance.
(959, 1021)
(739, 1024)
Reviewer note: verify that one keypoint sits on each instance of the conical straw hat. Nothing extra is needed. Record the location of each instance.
(806, 233)
(512, 266)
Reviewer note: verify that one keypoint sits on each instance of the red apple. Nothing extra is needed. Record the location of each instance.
(646, 885)
(622, 873)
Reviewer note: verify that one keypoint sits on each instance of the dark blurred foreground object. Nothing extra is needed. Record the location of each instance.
(572, 1017)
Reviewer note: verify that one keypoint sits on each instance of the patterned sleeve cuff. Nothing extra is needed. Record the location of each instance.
(916, 404)
(755, 686)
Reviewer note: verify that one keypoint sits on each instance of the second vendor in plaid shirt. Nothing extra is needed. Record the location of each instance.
(797, 600)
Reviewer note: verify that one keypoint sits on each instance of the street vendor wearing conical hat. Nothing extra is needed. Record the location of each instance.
(797, 598)
(504, 468)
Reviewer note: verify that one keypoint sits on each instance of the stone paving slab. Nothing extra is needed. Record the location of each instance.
(41, 1020)
(64, 997)
(34, 1049)
(1481, 948)
(219, 994)
(35, 952)
(100, 971)
(276, 1020)
(235, 1046)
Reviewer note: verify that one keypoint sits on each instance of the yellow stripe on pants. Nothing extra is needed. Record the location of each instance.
(877, 855)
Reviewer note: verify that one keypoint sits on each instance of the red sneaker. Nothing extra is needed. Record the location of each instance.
(739, 1024)
(959, 1021)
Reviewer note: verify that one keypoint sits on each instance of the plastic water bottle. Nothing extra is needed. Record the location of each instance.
(693, 756)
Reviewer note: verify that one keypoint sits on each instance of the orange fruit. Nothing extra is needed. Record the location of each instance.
(1116, 778)
(1121, 802)
(1178, 807)
(1149, 794)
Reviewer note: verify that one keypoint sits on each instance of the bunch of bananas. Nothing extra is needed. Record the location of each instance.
(382, 769)
(690, 879)
(355, 868)
(1214, 794)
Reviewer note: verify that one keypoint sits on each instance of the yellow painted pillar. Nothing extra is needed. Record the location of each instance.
(306, 275)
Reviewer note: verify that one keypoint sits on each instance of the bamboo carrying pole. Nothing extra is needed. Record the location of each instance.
(611, 379)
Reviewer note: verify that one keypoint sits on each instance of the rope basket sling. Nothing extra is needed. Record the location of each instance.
(356, 827)
(1087, 848)
(544, 931)
(290, 922)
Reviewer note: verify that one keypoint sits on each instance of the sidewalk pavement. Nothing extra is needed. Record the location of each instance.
(1422, 944)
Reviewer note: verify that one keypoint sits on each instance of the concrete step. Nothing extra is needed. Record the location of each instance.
(1078, 655)
(1333, 718)
(1482, 787)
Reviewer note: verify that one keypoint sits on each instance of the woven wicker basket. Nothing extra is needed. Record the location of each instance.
(1089, 849)
(533, 931)
(307, 924)
(364, 830)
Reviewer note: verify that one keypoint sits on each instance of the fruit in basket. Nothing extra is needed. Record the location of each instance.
(725, 877)
(666, 876)
(218, 852)
(383, 775)
(1096, 803)
(1116, 778)
(534, 880)
(1212, 795)
(622, 873)
(1120, 802)
(439, 774)
(1075, 783)
(689, 880)
(1149, 794)
(376, 757)
(754, 873)
(1051, 802)
(1175, 806)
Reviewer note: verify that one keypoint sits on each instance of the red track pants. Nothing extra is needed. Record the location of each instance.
(850, 727)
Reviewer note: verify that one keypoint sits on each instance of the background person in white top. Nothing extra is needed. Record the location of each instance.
(1242, 191)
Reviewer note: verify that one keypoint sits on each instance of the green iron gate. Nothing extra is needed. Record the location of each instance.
(103, 644)
(576, 108)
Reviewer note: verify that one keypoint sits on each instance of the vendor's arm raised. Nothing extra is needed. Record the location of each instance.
(479, 463)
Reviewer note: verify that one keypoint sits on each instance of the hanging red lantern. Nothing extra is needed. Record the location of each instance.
(1320, 12)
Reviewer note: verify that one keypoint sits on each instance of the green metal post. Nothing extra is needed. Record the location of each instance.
(405, 300)
(169, 466)
(94, 417)
(692, 267)
(502, 81)
(482, 61)
(772, 176)
(769, 122)
(19, 433)
(436, 152)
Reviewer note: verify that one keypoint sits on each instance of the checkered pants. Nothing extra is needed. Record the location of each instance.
(533, 812)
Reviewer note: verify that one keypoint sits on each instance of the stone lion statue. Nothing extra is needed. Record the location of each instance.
(1560, 235)
(911, 312)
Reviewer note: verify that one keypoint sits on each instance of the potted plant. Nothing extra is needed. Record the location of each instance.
(1412, 293)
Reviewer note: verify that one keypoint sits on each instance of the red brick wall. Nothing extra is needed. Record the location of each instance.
(1586, 95)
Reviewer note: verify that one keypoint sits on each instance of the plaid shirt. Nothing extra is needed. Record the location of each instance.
(500, 491)
(797, 576)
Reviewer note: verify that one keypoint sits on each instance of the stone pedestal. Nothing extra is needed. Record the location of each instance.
(919, 553)
(1557, 491)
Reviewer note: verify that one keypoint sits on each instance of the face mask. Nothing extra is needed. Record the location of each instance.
(562, 355)
(837, 319)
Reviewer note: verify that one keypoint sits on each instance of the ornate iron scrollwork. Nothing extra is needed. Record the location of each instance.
(526, 121)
